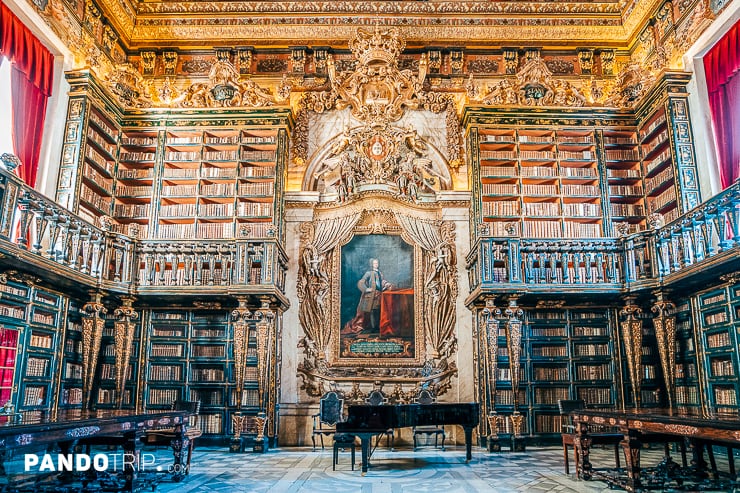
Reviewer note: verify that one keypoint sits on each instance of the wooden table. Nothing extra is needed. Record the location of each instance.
(66, 429)
(700, 430)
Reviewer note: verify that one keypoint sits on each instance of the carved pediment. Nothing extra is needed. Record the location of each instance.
(533, 85)
(380, 155)
(225, 88)
(129, 87)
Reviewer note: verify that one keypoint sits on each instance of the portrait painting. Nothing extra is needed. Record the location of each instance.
(377, 298)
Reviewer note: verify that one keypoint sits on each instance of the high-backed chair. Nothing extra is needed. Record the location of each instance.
(331, 409)
(164, 437)
(569, 433)
(425, 396)
(377, 398)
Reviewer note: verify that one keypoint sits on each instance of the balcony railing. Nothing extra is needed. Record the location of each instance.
(36, 230)
(710, 231)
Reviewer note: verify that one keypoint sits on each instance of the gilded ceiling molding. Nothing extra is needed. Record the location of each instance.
(372, 8)
(639, 11)
(176, 35)
(122, 15)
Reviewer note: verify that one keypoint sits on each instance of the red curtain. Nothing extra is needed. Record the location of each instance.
(722, 67)
(31, 82)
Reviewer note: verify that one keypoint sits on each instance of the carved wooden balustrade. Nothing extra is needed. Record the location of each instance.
(707, 235)
(710, 230)
(38, 229)
(47, 237)
(210, 263)
(520, 261)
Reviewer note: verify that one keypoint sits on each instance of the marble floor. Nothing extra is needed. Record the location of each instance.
(294, 470)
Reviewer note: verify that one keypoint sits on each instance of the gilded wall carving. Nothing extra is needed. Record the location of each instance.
(427, 356)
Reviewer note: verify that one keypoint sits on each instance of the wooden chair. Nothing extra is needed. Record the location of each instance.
(426, 397)
(331, 409)
(569, 433)
(377, 398)
(331, 412)
(164, 437)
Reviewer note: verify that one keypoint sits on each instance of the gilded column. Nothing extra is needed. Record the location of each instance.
(514, 344)
(265, 324)
(631, 327)
(124, 332)
(93, 324)
(490, 325)
(664, 322)
(240, 316)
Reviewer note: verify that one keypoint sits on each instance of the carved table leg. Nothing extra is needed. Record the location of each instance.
(132, 446)
(631, 446)
(698, 464)
(582, 444)
(180, 450)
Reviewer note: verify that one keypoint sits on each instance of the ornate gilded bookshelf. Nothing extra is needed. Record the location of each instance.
(667, 149)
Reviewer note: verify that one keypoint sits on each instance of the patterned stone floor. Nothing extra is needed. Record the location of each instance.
(294, 470)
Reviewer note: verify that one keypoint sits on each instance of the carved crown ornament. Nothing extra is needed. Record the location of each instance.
(376, 92)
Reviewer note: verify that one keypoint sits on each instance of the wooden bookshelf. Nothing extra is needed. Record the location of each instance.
(190, 357)
(688, 389)
(657, 166)
(567, 354)
(621, 156)
(719, 338)
(540, 183)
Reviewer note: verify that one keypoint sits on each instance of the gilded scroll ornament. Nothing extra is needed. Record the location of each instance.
(226, 88)
(376, 90)
(632, 83)
(127, 84)
(533, 85)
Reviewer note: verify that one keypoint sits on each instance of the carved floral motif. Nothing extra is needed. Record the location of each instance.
(226, 88)
(533, 85)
